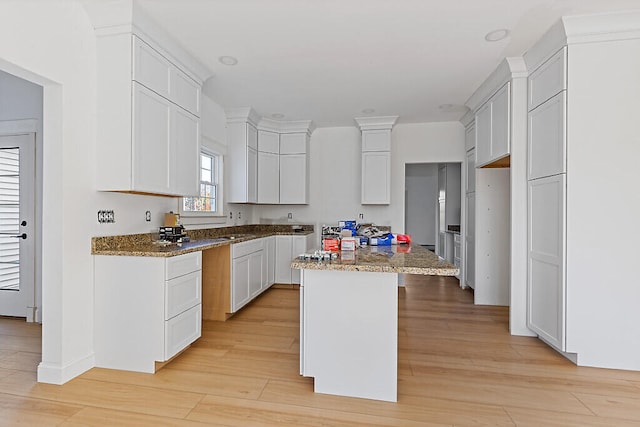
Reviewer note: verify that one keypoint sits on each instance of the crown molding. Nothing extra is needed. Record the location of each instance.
(111, 17)
(242, 115)
(508, 69)
(289, 126)
(376, 123)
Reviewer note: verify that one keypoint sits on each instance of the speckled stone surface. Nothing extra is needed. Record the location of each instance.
(201, 239)
(408, 259)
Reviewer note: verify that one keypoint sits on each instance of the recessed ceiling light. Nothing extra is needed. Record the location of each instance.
(497, 35)
(228, 60)
(277, 116)
(368, 111)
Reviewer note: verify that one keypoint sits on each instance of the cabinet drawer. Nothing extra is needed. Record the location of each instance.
(293, 143)
(547, 138)
(548, 79)
(150, 68)
(183, 264)
(185, 91)
(245, 248)
(181, 331)
(182, 293)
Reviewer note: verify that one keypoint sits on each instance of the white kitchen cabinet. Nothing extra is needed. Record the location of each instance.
(147, 120)
(493, 128)
(287, 248)
(470, 243)
(242, 161)
(548, 79)
(547, 256)
(376, 159)
(457, 254)
(270, 261)
(294, 179)
(184, 164)
(147, 309)
(294, 168)
(470, 137)
(268, 167)
(470, 184)
(268, 178)
(547, 138)
(376, 182)
(246, 272)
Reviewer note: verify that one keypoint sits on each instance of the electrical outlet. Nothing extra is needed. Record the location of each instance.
(230, 215)
(239, 214)
(106, 216)
(361, 216)
(147, 216)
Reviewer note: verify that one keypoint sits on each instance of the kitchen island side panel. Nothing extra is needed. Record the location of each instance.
(350, 333)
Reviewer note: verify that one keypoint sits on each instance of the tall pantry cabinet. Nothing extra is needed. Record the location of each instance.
(583, 147)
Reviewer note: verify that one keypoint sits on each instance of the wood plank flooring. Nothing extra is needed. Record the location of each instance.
(458, 366)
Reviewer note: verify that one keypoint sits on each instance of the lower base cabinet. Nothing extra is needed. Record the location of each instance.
(287, 248)
(246, 272)
(147, 309)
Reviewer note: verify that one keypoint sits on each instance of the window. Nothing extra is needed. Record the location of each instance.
(209, 202)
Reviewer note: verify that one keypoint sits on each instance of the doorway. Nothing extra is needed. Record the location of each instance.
(17, 214)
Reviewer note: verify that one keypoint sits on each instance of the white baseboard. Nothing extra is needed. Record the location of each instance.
(56, 374)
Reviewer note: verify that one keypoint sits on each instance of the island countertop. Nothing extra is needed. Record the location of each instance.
(408, 259)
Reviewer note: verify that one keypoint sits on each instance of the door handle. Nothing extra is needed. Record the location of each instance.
(21, 236)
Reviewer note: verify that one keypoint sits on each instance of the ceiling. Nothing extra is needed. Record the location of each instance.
(328, 60)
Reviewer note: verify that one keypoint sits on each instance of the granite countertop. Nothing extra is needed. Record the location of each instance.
(409, 259)
(201, 239)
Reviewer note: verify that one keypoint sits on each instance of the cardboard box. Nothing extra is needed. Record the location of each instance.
(331, 245)
(348, 244)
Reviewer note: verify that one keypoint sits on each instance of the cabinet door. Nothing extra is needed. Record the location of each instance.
(299, 247)
(546, 261)
(185, 91)
(293, 143)
(548, 79)
(500, 123)
(151, 141)
(150, 68)
(470, 137)
(483, 134)
(239, 282)
(283, 259)
(252, 175)
(268, 177)
(185, 153)
(268, 142)
(376, 178)
(547, 138)
(470, 184)
(293, 179)
(376, 140)
(255, 273)
(470, 242)
(270, 249)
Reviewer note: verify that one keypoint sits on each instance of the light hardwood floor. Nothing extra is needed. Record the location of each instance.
(457, 366)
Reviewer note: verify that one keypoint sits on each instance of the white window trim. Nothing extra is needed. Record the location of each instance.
(219, 213)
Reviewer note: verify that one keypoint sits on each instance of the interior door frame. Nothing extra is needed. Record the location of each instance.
(15, 128)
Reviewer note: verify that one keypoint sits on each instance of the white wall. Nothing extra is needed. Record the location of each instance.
(421, 198)
(53, 44)
(335, 168)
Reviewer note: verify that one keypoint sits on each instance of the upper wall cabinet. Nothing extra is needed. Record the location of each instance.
(148, 119)
(376, 159)
(268, 160)
(242, 157)
(492, 128)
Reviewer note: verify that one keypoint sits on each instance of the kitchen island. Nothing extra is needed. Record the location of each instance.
(349, 317)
